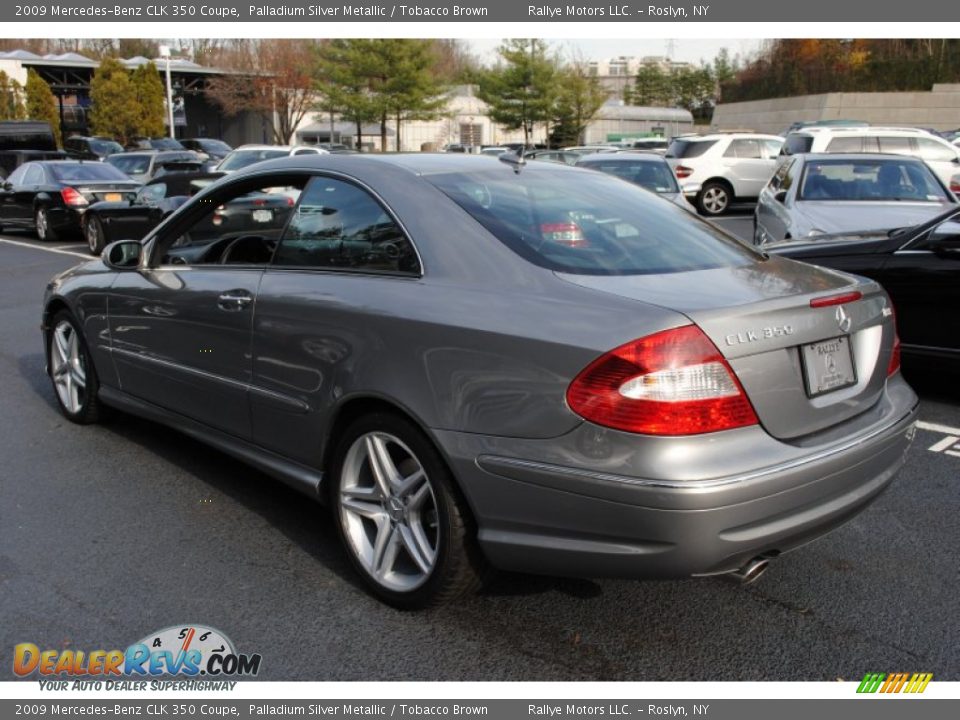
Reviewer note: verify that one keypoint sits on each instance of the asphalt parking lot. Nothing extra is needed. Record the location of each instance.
(109, 532)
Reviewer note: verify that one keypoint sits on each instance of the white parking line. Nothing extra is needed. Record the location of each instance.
(85, 256)
(934, 427)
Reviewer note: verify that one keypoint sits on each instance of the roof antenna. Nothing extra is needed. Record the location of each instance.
(515, 159)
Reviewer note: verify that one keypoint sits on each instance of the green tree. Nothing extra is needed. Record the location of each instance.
(410, 90)
(579, 97)
(11, 98)
(150, 93)
(114, 110)
(41, 104)
(520, 91)
(651, 87)
(694, 89)
(343, 81)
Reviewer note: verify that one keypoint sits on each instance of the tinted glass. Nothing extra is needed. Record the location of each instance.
(68, 172)
(152, 193)
(243, 158)
(340, 226)
(878, 180)
(655, 176)
(105, 147)
(797, 144)
(588, 223)
(689, 148)
(131, 164)
(165, 144)
(897, 145)
(217, 146)
(845, 144)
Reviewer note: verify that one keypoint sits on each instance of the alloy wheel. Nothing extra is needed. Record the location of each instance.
(715, 199)
(94, 241)
(388, 511)
(43, 226)
(67, 367)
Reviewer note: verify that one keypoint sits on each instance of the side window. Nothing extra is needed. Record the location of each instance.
(846, 144)
(339, 226)
(932, 151)
(772, 147)
(240, 225)
(33, 176)
(749, 149)
(16, 177)
(895, 145)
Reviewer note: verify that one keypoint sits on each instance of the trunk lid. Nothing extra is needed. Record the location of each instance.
(760, 318)
(112, 191)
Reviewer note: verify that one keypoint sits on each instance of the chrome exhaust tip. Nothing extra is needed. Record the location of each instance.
(750, 572)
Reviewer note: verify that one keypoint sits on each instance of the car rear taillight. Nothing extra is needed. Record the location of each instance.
(894, 364)
(568, 234)
(72, 198)
(673, 382)
(955, 186)
(683, 171)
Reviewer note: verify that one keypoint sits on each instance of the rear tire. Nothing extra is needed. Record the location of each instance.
(714, 199)
(93, 232)
(400, 517)
(42, 224)
(72, 372)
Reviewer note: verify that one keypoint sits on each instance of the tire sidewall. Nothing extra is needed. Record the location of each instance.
(90, 408)
(440, 479)
(93, 223)
(701, 206)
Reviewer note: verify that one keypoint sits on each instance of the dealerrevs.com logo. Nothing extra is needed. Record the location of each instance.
(887, 683)
(185, 651)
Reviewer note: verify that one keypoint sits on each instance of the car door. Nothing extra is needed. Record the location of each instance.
(180, 327)
(311, 330)
(923, 280)
(776, 201)
(748, 166)
(22, 194)
(8, 213)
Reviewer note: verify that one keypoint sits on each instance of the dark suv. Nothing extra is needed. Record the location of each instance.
(91, 148)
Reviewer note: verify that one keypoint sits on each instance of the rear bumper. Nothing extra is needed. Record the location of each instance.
(537, 515)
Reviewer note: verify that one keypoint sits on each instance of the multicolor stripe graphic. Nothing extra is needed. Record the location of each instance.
(894, 682)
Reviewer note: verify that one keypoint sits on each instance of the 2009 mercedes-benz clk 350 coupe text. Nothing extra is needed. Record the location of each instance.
(483, 363)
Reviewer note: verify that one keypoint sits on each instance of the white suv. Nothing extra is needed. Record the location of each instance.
(942, 156)
(720, 169)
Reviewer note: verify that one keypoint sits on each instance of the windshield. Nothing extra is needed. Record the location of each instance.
(870, 180)
(654, 176)
(166, 144)
(72, 173)
(589, 223)
(105, 147)
(243, 158)
(131, 164)
(217, 146)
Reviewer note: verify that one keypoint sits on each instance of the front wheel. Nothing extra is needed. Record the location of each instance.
(400, 517)
(714, 199)
(71, 371)
(93, 231)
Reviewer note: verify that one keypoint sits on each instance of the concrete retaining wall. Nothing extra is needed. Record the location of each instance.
(938, 109)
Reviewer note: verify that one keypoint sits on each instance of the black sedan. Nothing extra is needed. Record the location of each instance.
(104, 222)
(51, 197)
(918, 266)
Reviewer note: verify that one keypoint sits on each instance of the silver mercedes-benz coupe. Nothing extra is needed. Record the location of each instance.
(483, 363)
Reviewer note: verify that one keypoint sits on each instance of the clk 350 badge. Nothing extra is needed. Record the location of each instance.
(766, 333)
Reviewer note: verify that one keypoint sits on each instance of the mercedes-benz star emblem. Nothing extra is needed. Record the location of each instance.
(843, 320)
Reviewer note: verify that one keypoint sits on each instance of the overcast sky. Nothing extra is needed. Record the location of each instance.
(596, 49)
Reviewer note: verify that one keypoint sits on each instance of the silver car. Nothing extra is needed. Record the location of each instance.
(480, 363)
(647, 170)
(824, 194)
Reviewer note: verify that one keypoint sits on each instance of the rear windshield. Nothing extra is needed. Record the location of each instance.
(878, 180)
(654, 176)
(131, 164)
(589, 223)
(214, 145)
(69, 173)
(242, 158)
(165, 144)
(689, 148)
(105, 147)
(797, 144)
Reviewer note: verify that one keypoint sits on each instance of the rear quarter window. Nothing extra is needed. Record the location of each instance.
(689, 148)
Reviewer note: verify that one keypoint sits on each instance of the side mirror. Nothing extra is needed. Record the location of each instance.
(123, 255)
(781, 196)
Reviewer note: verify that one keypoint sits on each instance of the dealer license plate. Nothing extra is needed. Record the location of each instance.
(262, 215)
(828, 365)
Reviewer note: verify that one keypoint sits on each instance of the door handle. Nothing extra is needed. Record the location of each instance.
(233, 300)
